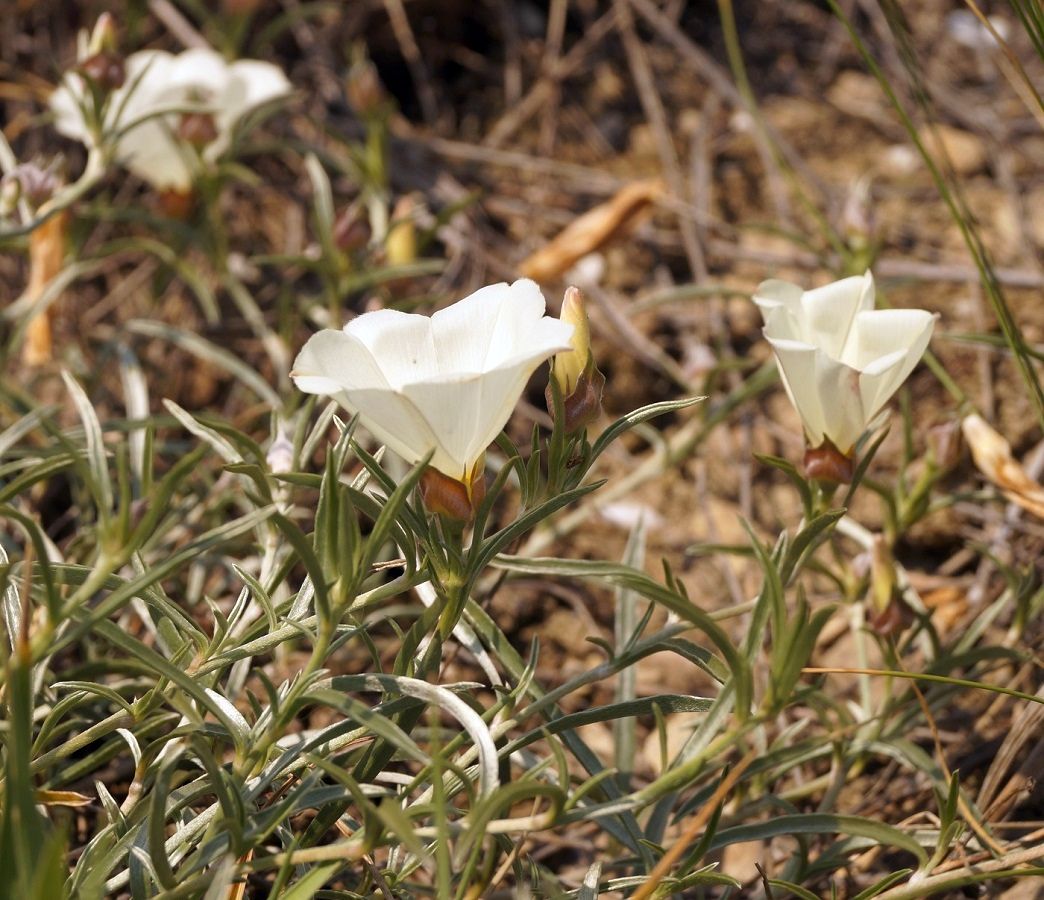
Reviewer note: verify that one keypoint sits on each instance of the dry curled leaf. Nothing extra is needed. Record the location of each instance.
(63, 798)
(992, 455)
(589, 232)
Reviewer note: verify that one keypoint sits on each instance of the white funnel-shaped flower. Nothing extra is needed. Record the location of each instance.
(158, 90)
(840, 359)
(446, 383)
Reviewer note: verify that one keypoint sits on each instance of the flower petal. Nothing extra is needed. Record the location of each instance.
(828, 311)
(466, 414)
(253, 83)
(333, 361)
(400, 344)
(152, 152)
(65, 103)
(780, 305)
(876, 332)
(340, 365)
(797, 369)
(492, 326)
(824, 392)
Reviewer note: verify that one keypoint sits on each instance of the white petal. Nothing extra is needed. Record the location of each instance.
(797, 369)
(780, 305)
(881, 378)
(338, 364)
(400, 344)
(65, 103)
(154, 154)
(484, 327)
(824, 392)
(447, 383)
(466, 414)
(253, 83)
(334, 361)
(147, 80)
(880, 332)
(828, 312)
(776, 292)
(200, 69)
(395, 421)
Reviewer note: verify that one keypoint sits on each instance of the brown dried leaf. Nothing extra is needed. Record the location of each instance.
(46, 252)
(62, 798)
(589, 232)
(992, 455)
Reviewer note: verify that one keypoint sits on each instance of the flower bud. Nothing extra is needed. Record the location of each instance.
(400, 245)
(197, 129)
(566, 367)
(882, 574)
(574, 371)
(363, 89)
(451, 498)
(827, 463)
(104, 36)
(102, 61)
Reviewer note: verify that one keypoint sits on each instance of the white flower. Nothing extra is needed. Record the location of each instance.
(159, 88)
(840, 359)
(447, 383)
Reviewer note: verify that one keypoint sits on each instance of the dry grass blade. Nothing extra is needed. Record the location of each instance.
(593, 229)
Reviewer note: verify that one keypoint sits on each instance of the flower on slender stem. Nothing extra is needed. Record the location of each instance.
(840, 360)
(173, 113)
(446, 383)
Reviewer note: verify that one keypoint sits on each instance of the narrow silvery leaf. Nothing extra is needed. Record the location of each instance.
(96, 461)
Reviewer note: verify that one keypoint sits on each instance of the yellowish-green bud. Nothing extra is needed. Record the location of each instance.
(882, 574)
(567, 366)
(400, 245)
(574, 371)
(104, 36)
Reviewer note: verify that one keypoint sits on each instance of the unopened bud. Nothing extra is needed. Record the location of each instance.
(882, 574)
(105, 37)
(449, 497)
(351, 230)
(400, 245)
(197, 129)
(363, 89)
(827, 463)
(567, 366)
(574, 371)
(105, 69)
